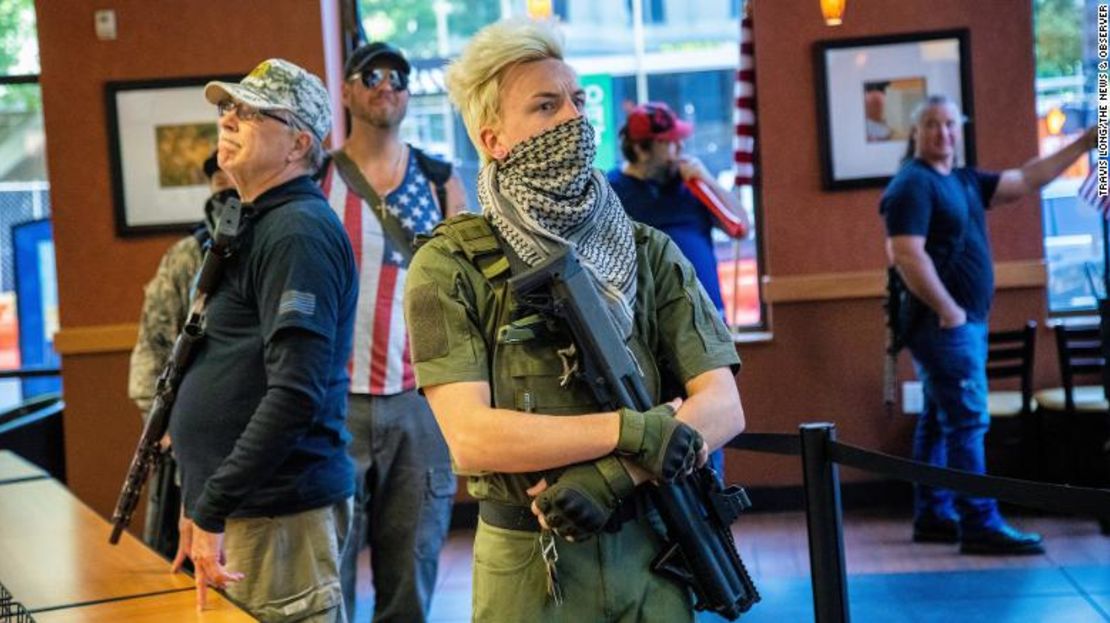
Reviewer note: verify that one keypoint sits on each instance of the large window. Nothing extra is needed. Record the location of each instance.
(27, 324)
(683, 53)
(1066, 56)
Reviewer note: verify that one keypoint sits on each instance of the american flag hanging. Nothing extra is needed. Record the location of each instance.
(1088, 192)
(744, 116)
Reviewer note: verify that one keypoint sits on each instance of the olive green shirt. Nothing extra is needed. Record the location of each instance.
(454, 315)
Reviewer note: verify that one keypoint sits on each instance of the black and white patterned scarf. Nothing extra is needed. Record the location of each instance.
(546, 195)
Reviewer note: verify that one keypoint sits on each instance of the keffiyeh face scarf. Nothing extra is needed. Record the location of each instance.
(546, 195)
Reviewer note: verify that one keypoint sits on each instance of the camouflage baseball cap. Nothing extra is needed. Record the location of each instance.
(277, 84)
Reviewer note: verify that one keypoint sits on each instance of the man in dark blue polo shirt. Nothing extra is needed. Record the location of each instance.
(258, 426)
(937, 239)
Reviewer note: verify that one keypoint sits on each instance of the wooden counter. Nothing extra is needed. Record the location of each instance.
(179, 607)
(54, 552)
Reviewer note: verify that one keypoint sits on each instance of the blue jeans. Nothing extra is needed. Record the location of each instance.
(717, 462)
(952, 367)
(404, 489)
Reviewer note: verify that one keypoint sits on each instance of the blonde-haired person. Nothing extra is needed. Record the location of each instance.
(542, 456)
(474, 81)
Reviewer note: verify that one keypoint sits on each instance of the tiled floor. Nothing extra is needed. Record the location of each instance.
(891, 580)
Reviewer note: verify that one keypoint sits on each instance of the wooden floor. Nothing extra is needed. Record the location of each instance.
(890, 578)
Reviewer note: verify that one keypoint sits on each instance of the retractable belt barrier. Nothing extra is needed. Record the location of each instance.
(1052, 497)
(821, 453)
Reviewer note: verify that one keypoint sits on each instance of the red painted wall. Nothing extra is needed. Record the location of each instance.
(100, 276)
(825, 361)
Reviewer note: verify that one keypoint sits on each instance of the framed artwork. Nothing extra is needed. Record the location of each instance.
(159, 134)
(866, 90)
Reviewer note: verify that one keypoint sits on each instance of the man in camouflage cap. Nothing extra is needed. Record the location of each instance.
(258, 424)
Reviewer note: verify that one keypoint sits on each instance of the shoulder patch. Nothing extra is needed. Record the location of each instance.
(297, 302)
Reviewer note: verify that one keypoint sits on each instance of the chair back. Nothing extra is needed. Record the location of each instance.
(1079, 348)
(1010, 355)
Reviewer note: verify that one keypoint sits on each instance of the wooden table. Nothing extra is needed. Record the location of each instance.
(169, 608)
(54, 552)
(14, 468)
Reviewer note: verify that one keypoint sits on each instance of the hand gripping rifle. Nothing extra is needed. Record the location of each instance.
(158, 421)
(696, 510)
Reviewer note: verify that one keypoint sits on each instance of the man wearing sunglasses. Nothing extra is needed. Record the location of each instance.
(258, 424)
(386, 193)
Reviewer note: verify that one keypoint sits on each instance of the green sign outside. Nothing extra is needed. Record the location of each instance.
(599, 112)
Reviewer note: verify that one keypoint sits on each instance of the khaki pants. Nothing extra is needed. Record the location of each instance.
(291, 564)
(605, 579)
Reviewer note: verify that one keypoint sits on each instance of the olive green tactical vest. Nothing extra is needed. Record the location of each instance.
(532, 365)
(531, 368)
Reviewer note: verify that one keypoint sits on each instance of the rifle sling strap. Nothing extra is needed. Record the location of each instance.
(391, 226)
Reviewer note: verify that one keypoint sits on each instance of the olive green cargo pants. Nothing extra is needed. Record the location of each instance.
(605, 579)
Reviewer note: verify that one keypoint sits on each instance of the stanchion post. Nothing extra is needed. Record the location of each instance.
(825, 524)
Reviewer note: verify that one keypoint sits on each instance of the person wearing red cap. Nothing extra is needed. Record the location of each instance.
(651, 186)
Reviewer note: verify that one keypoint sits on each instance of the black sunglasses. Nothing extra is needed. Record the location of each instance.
(398, 80)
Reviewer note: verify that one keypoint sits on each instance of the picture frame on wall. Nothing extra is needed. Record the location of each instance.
(866, 91)
(159, 134)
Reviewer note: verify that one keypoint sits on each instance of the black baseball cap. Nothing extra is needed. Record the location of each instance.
(362, 57)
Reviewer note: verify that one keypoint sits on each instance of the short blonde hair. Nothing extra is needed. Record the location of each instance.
(474, 79)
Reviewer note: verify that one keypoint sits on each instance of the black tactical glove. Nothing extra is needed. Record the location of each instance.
(656, 441)
(579, 504)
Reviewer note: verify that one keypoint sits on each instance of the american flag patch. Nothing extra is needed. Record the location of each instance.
(296, 302)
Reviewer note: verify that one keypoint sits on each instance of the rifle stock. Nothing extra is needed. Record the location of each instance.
(696, 510)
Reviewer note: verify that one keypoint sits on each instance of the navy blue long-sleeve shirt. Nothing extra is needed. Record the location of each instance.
(258, 426)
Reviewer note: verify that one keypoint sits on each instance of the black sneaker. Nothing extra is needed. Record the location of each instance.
(1002, 541)
(936, 531)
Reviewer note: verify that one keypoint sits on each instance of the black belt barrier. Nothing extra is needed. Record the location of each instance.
(821, 454)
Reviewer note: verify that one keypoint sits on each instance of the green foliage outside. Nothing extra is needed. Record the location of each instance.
(1059, 40)
(18, 36)
(412, 25)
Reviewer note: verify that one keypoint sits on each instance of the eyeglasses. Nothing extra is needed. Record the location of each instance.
(246, 112)
(398, 80)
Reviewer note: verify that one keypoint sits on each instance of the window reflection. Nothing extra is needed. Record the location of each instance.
(690, 52)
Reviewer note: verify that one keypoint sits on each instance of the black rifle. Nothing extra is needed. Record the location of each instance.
(149, 450)
(696, 510)
(903, 310)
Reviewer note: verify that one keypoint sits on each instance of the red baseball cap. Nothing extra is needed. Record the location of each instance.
(656, 120)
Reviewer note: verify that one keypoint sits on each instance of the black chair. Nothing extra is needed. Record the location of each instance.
(1076, 417)
(1011, 442)
(33, 429)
